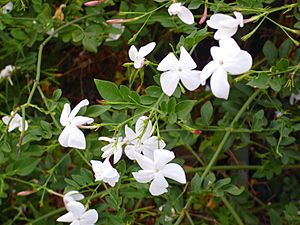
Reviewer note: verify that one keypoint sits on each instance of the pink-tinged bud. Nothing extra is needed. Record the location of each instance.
(197, 132)
(118, 21)
(25, 193)
(92, 3)
(100, 101)
(204, 15)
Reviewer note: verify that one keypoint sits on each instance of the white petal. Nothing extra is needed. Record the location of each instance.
(174, 8)
(229, 47)
(76, 208)
(219, 84)
(89, 217)
(185, 60)
(5, 119)
(144, 162)
(159, 185)
(74, 112)
(143, 176)
(112, 140)
(233, 23)
(162, 157)
(191, 79)
(170, 62)
(63, 138)
(130, 152)
(207, 71)
(129, 133)
(239, 64)
(133, 53)
(118, 154)
(239, 18)
(217, 53)
(169, 81)
(65, 114)
(72, 196)
(143, 128)
(67, 218)
(139, 63)
(174, 172)
(214, 21)
(186, 15)
(76, 222)
(224, 33)
(145, 50)
(76, 138)
(81, 120)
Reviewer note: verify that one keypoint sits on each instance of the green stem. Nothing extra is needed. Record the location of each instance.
(227, 134)
(232, 210)
(187, 205)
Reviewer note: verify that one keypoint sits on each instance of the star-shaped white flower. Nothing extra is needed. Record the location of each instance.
(71, 136)
(7, 8)
(184, 14)
(138, 56)
(72, 196)
(226, 25)
(105, 172)
(141, 140)
(113, 148)
(178, 70)
(78, 215)
(294, 98)
(14, 121)
(157, 169)
(228, 58)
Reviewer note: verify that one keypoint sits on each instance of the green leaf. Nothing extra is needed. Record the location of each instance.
(221, 183)
(90, 44)
(209, 180)
(56, 94)
(234, 190)
(18, 34)
(206, 112)
(274, 217)
(261, 81)
(5, 147)
(196, 185)
(270, 52)
(25, 166)
(96, 110)
(285, 48)
(108, 90)
(183, 108)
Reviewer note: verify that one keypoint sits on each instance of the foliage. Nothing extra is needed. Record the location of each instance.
(241, 155)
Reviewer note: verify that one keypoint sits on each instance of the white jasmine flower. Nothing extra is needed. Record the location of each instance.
(7, 8)
(184, 14)
(105, 172)
(226, 25)
(78, 215)
(71, 136)
(178, 70)
(115, 36)
(228, 58)
(141, 140)
(157, 169)
(7, 72)
(113, 148)
(138, 56)
(14, 121)
(72, 196)
(294, 98)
